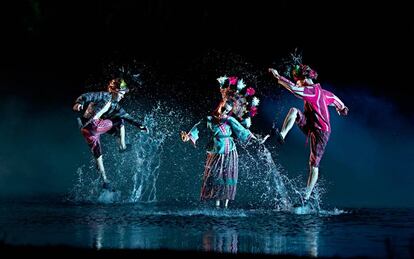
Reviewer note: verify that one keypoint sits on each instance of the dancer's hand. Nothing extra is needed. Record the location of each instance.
(274, 72)
(263, 140)
(184, 136)
(77, 107)
(143, 129)
(344, 111)
(260, 140)
(257, 138)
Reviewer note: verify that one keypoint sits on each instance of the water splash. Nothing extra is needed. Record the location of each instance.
(217, 213)
(135, 173)
(264, 176)
(161, 168)
(108, 197)
(148, 155)
(270, 185)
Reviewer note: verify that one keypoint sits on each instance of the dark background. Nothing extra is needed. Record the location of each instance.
(351, 42)
(52, 50)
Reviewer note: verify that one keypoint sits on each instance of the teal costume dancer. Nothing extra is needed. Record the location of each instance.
(232, 118)
(221, 169)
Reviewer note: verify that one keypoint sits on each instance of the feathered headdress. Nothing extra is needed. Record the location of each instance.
(244, 102)
(302, 71)
(294, 68)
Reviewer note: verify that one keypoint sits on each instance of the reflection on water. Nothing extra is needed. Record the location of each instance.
(312, 241)
(98, 230)
(222, 239)
(312, 237)
(149, 226)
(181, 231)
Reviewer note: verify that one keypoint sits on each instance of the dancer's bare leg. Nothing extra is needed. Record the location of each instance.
(217, 203)
(289, 122)
(101, 169)
(226, 203)
(313, 177)
(122, 144)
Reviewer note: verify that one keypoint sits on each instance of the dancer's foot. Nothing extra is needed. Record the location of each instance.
(226, 204)
(217, 204)
(279, 137)
(108, 186)
(276, 132)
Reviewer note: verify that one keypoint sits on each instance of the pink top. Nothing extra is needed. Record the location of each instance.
(316, 102)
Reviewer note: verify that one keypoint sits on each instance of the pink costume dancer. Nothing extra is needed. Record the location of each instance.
(314, 120)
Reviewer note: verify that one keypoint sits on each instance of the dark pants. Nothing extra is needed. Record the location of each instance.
(318, 138)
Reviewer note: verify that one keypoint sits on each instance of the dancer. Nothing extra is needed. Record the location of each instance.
(231, 118)
(314, 120)
(103, 114)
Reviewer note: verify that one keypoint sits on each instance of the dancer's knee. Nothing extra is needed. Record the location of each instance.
(293, 111)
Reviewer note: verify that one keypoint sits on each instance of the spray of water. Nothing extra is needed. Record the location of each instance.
(161, 168)
(268, 181)
(263, 182)
(135, 173)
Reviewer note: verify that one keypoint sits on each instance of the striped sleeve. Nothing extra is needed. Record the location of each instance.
(121, 113)
(193, 134)
(241, 133)
(291, 87)
(90, 97)
(333, 100)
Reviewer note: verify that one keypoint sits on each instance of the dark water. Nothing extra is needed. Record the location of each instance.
(348, 232)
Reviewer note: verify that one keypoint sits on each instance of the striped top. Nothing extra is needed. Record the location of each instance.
(93, 102)
(316, 102)
(222, 134)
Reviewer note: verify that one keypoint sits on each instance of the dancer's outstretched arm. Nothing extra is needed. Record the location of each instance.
(333, 100)
(289, 85)
(193, 133)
